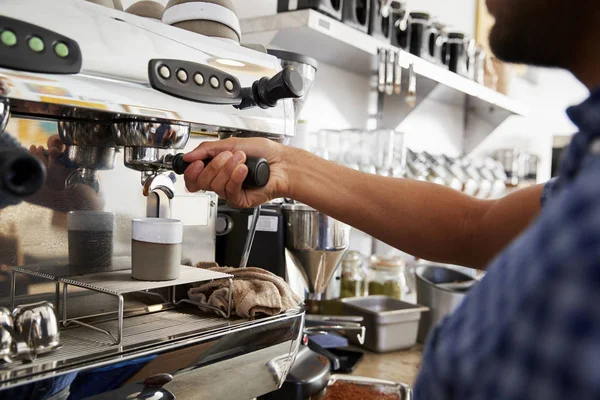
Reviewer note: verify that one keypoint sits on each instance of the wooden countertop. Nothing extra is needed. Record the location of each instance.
(401, 366)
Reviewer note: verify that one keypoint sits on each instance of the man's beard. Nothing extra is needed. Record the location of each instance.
(534, 32)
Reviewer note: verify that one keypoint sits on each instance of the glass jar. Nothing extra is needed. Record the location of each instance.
(387, 277)
(354, 278)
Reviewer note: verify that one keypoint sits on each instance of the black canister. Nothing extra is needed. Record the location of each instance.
(333, 8)
(380, 26)
(401, 29)
(356, 13)
(420, 26)
(436, 39)
(456, 52)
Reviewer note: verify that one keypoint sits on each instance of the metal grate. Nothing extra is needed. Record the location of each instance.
(81, 344)
(121, 282)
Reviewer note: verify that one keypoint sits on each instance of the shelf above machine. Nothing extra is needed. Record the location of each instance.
(329, 41)
(313, 34)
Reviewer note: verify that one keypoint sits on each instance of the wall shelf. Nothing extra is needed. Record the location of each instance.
(330, 41)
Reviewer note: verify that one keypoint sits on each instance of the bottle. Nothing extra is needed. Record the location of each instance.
(387, 277)
(353, 275)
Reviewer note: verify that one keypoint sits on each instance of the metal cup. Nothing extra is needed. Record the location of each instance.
(37, 326)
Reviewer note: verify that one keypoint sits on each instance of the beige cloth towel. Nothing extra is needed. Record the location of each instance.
(255, 291)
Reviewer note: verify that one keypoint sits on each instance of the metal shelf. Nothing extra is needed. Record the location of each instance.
(332, 42)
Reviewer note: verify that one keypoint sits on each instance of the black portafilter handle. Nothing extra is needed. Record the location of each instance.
(259, 171)
(266, 92)
(21, 173)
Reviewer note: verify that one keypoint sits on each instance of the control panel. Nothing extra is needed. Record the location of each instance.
(27, 47)
(192, 81)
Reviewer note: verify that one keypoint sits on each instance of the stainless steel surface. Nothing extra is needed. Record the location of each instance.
(158, 135)
(146, 158)
(95, 158)
(440, 300)
(250, 238)
(387, 387)
(317, 243)
(114, 79)
(186, 343)
(74, 133)
(355, 332)
(333, 318)
(390, 324)
(37, 325)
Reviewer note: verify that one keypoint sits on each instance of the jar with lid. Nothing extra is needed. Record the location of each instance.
(387, 277)
(420, 27)
(354, 278)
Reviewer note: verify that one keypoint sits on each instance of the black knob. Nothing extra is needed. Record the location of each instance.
(21, 174)
(285, 85)
(259, 171)
(179, 165)
(266, 92)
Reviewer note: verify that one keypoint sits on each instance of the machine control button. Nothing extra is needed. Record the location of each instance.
(182, 75)
(31, 48)
(8, 38)
(36, 44)
(61, 50)
(194, 81)
(229, 85)
(164, 71)
(199, 79)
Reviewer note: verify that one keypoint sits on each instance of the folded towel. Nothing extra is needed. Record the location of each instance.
(255, 291)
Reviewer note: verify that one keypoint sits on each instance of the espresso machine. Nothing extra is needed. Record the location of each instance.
(126, 95)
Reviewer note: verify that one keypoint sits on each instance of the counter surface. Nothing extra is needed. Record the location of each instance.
(401, 366)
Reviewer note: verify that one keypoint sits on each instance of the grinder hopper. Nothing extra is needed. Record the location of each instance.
(306, 66)
(317, 244)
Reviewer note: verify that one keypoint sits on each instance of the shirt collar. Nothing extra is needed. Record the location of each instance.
(586, 116)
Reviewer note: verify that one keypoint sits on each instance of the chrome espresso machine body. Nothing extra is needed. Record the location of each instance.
(125, 94)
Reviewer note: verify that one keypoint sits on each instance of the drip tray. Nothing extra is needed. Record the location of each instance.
(81, 346)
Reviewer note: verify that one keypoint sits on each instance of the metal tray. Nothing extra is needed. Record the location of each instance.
(387, 387)
(390, 324)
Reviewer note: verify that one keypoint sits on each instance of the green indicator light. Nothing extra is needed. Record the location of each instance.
(36, 44)
(61, 50)
(8, 38)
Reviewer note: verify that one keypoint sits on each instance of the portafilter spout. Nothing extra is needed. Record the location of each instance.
(317, 244)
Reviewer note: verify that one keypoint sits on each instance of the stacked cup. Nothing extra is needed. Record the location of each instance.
(215, 18)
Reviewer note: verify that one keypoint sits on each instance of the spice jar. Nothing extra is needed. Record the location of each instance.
(387, 277)
(354, 278)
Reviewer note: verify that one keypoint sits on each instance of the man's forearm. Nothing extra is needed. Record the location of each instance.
(426, 220)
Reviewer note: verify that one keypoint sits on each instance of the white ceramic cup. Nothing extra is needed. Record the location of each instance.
(156, 249)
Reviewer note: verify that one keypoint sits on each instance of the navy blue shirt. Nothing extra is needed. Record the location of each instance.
(531, 328)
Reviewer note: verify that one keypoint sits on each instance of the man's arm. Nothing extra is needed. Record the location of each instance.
(426, 220)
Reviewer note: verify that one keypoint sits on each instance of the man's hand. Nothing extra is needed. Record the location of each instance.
(225, 174)
(57, 173)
